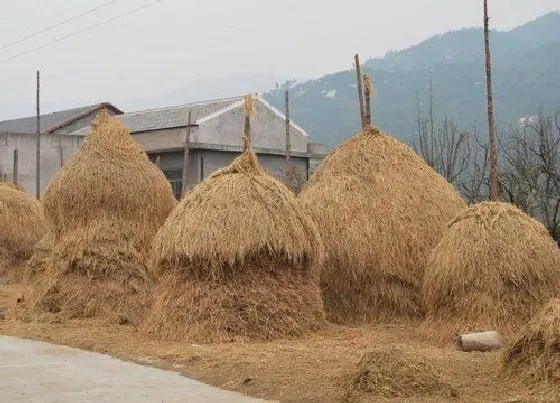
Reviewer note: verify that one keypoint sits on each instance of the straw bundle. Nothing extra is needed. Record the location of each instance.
(104, 206)
(535, 353)
(392, 372)
(235, 261)
(380, 209)
(41, 253)
(21, 226)
(493, 268)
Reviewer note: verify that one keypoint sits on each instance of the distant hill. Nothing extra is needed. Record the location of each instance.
(526, 77)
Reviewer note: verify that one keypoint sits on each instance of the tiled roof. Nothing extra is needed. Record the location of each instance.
(169, 117)
(50, 121)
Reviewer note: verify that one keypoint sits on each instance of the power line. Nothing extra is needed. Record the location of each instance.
(58, 24)
(73, 34)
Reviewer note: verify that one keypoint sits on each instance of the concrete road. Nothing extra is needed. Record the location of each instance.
(32, 371)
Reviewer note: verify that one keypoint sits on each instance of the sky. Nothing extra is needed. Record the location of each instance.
(172, 42)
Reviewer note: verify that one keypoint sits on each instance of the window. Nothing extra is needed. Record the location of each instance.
(175, 178)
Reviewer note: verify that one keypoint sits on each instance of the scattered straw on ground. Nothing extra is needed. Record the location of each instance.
(304, 370)
(535, 354)
(21, 227)
(395, 372)
(104, 207)
(493, 269)
(380, 209)
(235, 261)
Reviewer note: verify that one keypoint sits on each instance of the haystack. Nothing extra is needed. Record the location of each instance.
(394, 372)
(36, 266)
(493, 269)
(380, 209)
(535, 352)
(104, 207)
(21, 226)
(235, 262)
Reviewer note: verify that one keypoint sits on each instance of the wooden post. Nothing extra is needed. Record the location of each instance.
(38, 141)
(247, 128)
(490, 104)
(367, 105)
(360, 90)
(15, 171)
(186, 154)
(247, 133)
(287, 113)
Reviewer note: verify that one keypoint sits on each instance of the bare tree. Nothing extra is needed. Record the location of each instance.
(532, 176)
(475, 183)
(442, 145)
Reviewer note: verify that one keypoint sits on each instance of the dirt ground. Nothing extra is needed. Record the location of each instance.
(305, 370)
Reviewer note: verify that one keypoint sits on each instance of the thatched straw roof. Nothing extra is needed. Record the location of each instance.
(492, 270)
(235, 261)
(21, 225)
(535, 352)
(380, 209)
(104, 207)
(394, 372)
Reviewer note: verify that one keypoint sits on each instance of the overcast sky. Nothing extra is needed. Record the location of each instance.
(166, 45)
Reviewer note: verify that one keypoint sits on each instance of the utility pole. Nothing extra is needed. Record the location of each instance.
(288, 145)
(186, 154)
(360, 89)
(15, 171)
(491, 125)
(38, 141)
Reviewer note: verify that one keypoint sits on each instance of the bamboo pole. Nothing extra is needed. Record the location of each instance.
(16, 163)
(287, 114)
(368, 86)
(490, 105)
(186, 155)
(38, 141)
(360, 89)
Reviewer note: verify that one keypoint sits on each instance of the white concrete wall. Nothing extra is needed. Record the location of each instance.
(268, 130)
(54, 150)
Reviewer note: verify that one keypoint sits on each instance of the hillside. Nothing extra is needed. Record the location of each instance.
(526, 77)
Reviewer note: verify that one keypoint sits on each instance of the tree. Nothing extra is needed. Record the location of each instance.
(531, 179)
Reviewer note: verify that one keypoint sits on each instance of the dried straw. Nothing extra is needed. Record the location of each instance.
(104, 207)
(21, 227)
(393, 372)
(36, 266)
(380, 209)
(235, 261)
(534, 355)
(492, 270)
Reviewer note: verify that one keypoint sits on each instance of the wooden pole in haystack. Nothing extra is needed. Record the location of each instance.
(38, 141)
(491, 125)
(369, 93)
(288, 145)
(16, 163)
(186, 154)
(249, 112)
(360, 90)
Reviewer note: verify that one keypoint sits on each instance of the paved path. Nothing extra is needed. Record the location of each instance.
(32, 371)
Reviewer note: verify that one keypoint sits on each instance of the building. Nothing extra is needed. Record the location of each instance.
(56, 143)
(215, 140)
